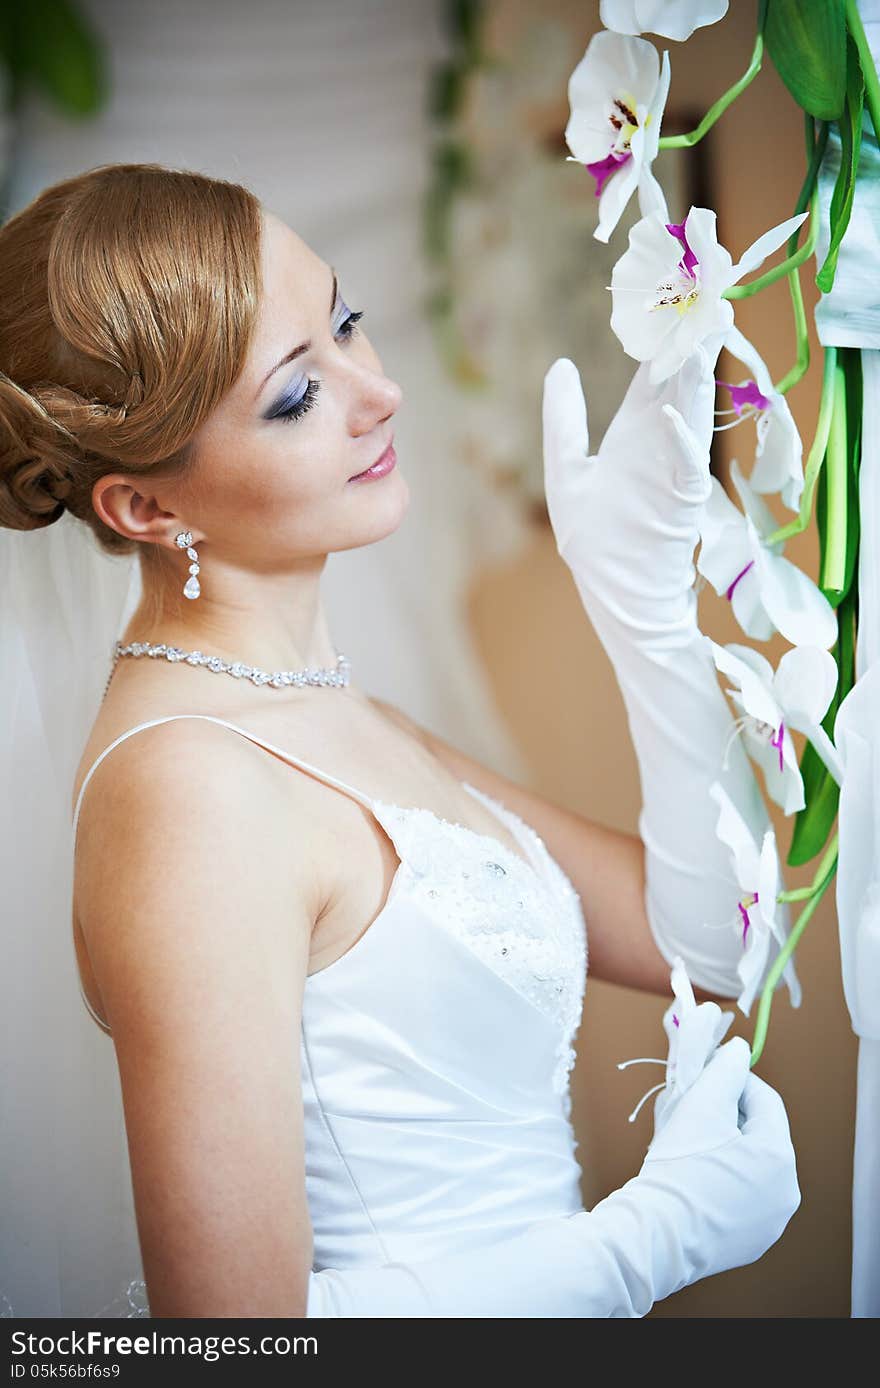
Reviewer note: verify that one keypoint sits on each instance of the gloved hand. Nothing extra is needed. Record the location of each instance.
(714, 1192)
(626, 522)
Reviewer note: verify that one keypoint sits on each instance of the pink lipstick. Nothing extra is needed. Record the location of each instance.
(381, 466)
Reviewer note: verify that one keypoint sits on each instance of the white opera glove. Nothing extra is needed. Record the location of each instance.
(627, 522)
(716, 1189)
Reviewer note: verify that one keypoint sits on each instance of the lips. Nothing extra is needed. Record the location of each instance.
(383, 457)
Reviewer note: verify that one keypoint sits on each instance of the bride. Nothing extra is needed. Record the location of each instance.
(264, 852)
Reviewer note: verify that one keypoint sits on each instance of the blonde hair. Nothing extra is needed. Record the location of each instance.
(128, 298)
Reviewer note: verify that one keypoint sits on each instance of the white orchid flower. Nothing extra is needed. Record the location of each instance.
(617, 94)
(766, 591)
(666, 302)
(757, 910)
(694, 1031)
(672, 19)
(779, 452)
(795, 695)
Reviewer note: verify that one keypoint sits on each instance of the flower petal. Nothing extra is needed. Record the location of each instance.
(616, 194)
(756, 685)
(793, 603)
(732, 829)
(751, 967)
(672, 19)
(724, 546)
(779, 454)
(767, 243)
(805, 682)
(785, 787)
(753, 505)
(613, 69)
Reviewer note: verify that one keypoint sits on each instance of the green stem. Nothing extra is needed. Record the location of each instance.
(718, 107)
(827, 862)
(833, 566)
(869, 71)
(797, 894)
(815, 153)
(801, 336)
(816, 454)
(785, 267)
(827, 866)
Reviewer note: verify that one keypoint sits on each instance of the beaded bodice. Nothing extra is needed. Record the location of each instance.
(522, 920)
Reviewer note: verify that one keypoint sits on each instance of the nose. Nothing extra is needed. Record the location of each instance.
(377, 399)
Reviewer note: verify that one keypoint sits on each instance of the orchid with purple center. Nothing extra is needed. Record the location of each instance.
(794, 696)
(664, 303)
(766, 591)
(617, 94)
(688, 262)
(779, 452)
(759, 918)
(743, 397)
(694, 1032)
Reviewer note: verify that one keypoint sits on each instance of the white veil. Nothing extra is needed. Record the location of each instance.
(68, 1238)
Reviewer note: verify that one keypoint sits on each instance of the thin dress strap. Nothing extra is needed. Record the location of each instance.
(347, 789)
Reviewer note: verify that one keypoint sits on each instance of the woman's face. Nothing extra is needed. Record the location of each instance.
(273, 465)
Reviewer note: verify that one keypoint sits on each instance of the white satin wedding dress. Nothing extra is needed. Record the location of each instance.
(436, 1053)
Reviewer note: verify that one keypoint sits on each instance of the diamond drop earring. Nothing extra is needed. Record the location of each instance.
(192, 588)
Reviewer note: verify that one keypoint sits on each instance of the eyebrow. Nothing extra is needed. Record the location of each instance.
(303, 346)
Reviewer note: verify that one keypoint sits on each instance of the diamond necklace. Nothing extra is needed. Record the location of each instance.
(278, 679)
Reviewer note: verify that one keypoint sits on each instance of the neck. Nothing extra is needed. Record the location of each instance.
(276, 622)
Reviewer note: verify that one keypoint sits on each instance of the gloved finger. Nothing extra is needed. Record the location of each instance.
(706, 1115)
(765, 1113)
(727, 1071)
(564, 417)
(693, 477)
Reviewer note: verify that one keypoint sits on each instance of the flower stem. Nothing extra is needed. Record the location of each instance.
(816, 454)
(815, 153)
(824, 874)
(829, 858)
(833, 566)
(801, 336)
(869, 71)
(717, 109)
(785, 267)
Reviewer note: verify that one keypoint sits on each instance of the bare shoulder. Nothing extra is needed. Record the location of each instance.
(187, 809)
(402, 720)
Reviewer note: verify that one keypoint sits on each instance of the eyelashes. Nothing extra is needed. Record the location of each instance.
(347, 330)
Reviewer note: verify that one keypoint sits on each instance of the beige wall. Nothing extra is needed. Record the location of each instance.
(569, 720)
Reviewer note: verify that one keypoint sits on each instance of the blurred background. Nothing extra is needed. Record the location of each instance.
(418, 146)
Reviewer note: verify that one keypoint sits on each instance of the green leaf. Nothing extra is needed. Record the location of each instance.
(464, 20)
(807, 41)
(814, 822)
(61, 54)
(445, 92)
(852, 360)
(850, 148)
